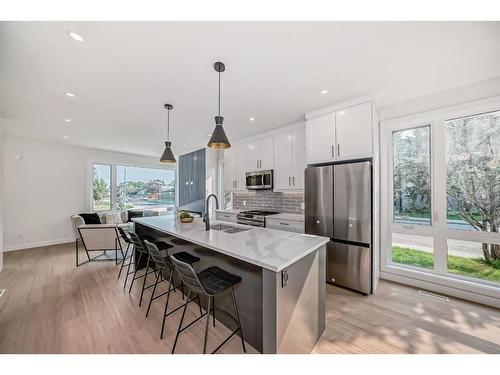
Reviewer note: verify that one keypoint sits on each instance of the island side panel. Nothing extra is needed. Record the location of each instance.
(294, 313)
(248, 293)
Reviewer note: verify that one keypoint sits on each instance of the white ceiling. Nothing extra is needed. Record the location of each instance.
(125, 71)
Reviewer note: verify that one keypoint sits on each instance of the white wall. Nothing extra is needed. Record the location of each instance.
(1, 195)
(463, 94)
(45, 185)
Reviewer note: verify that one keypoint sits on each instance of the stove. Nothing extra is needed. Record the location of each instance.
(256, 218)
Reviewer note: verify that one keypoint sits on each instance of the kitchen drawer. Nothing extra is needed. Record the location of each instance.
(287, 225)
(226, 216)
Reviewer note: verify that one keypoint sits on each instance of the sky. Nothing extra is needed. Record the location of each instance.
(136, 173)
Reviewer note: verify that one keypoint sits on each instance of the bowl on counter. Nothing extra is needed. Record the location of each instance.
(186, 219)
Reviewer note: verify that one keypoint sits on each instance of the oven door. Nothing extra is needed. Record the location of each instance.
(254, 180)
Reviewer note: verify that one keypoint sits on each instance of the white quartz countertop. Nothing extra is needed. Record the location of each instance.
(267, 248)
(290, 217)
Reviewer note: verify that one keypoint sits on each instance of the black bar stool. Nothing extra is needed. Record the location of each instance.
(165, 272)
(129, 243)
(210, 282)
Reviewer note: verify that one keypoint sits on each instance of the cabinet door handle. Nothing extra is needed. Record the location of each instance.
(235, 184)
(289, 181)
(333, 151)
(338, 149)
(284, 224)
(293, 180)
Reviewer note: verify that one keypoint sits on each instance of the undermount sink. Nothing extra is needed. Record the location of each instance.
(228, 228)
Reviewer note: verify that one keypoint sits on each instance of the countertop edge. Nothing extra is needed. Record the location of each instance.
(248, 260)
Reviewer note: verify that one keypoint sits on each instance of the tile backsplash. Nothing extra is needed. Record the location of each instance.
(290, 202)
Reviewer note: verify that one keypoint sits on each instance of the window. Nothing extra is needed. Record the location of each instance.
(101, 187)
(473, 192)
(139, 187)
(412, 176)
(473, 172)
(412, 250)
(441, 197)
(119, 187)
(411, 197)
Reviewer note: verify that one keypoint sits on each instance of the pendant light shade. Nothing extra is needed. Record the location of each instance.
(168, 155)
(219, 140)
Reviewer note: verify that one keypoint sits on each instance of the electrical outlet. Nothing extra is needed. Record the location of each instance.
(244, 203)
(302, 206)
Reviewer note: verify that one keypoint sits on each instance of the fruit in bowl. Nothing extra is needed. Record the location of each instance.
(185, 217)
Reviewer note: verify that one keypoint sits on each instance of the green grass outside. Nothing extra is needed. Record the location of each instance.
(471, 267)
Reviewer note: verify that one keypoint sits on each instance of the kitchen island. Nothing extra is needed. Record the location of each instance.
(282, 294)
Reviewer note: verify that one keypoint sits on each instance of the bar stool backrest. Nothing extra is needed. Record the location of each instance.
(156, 255)
(188, 276)
(124, 235)
(139, 246)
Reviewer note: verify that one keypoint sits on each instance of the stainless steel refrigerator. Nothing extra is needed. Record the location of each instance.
(338, 205)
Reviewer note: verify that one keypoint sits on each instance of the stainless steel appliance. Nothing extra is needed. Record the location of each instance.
(255, 218)
(259, 180)
(338, 205)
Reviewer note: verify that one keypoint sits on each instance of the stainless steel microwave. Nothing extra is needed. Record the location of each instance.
(259, 180)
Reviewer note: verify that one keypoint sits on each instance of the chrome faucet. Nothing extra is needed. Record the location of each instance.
(206, 218)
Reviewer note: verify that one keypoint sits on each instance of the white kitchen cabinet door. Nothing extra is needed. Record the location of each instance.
(354, 132)
(283, 161)
(266, 154)
(320, 138)
(229, 169)
(242, 160)
(298, 158)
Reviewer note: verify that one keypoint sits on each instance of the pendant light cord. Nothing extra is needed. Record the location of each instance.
(219, 92)
(168, 124)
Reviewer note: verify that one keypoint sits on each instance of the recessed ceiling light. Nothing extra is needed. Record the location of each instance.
(70, 94)
(210, 135)
(183, 145)
(251, 119)
(324, 92)
(76, 37)
(65, 137)
(68, 120)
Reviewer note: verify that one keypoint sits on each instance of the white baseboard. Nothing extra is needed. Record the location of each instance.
(449, 291)
(37, 244)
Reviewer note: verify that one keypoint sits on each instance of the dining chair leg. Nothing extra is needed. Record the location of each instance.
(180, 323)
(135, 272)
(130, 261)
(238, 318)
(166, 304)
(153, 294)
(206, 326)
(144, 281)
(213, 308)
(124, 259)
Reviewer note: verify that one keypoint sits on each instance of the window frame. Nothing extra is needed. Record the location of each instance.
(114, 179)
(438, 278)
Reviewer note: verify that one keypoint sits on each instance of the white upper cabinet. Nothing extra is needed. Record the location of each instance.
(320, 138)
(283, 161)
(259, 155)
(354, 132)
(341, 135)
(234, 168)
(298, 157)
(289, 160)
(229, 169)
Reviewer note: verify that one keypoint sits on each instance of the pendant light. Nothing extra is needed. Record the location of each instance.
(218, 140)
(168, 155)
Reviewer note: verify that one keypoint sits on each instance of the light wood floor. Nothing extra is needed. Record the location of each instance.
(50, 306)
